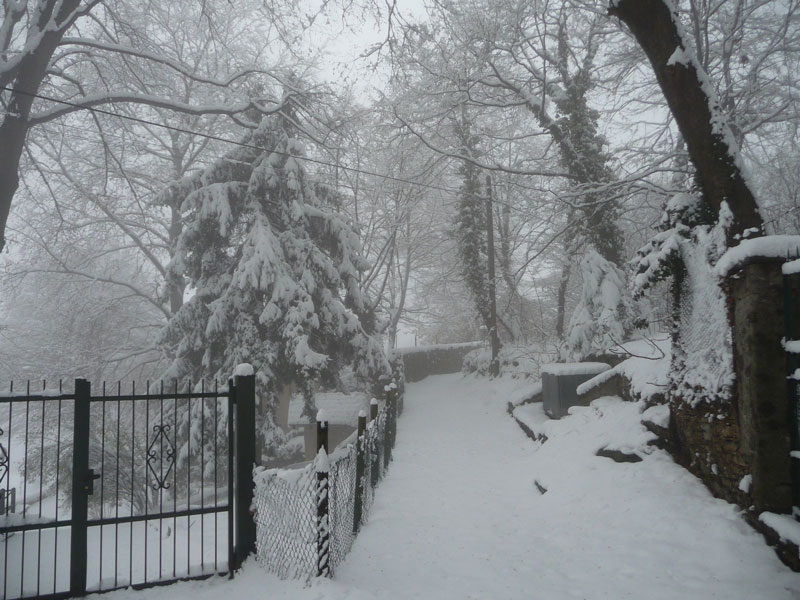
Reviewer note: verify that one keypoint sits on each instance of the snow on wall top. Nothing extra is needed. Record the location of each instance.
(419, 349)
(647, 369)
(792, 267)
(771, 246)
(580, 368)
(338, 408)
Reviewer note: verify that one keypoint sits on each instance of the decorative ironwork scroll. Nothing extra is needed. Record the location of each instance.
(3, 460)
(161, 453)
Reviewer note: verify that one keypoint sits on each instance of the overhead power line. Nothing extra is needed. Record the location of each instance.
(232, 142)
(224, 140)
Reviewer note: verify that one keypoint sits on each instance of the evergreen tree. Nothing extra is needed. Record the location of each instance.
(275, 271)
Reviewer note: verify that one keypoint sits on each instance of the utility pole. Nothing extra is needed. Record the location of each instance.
(494, 369)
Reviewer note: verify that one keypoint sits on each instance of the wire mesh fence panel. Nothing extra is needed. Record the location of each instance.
(286, 531)
(286, 506)
(374, 449)
(341, 504)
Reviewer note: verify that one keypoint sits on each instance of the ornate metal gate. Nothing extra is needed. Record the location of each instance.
(119, 489)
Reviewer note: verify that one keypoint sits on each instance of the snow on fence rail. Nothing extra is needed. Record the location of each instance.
(307, 518)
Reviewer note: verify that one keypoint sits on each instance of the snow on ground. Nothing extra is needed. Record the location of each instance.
(459, 516)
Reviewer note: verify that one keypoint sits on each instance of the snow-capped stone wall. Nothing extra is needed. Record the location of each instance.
(725, 441)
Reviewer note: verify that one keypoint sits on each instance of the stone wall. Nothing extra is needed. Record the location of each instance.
(705, 439)
(723, 440)
(760, 362)
(616, 385)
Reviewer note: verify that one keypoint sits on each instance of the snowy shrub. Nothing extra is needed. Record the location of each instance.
(434, 360)
(658, 259)
(520, 362)
(687, 247)
(604, 312)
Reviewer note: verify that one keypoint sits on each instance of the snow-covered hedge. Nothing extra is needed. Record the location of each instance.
(519, 362)
(422, 361)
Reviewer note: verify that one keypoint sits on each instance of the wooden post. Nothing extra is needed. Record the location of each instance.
(358, 496)
(80, 488)
(322, 432)
(322, 468)
(245, 527)
(395, 410)
(387, 430)
(373, 409)
(375, 465)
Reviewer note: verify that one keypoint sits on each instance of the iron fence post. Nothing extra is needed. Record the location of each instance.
(231, 474)
(245, 448)
(358, 496)
(80, 488)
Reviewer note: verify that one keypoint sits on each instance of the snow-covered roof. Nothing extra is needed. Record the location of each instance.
(339, 408)
(581, 368)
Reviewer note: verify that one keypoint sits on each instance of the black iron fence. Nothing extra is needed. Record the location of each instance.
(124, 488)
(307, 518)
(791, 289)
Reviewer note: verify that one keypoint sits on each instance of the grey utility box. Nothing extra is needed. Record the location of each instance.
(560, 382)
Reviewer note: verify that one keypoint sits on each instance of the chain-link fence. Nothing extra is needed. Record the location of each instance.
(286, 521)
(306, 522)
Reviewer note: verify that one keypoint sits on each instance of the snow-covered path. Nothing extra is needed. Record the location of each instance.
(454, 515)
(458, 516)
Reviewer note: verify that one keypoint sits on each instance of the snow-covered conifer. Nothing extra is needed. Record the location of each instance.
(604, 311)
(275, 273)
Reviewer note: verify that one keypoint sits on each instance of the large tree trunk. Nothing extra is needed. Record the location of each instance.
(709, 141)
(25, 82)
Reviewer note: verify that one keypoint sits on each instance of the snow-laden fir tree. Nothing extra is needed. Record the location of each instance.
(275, 273)
(604, 312)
